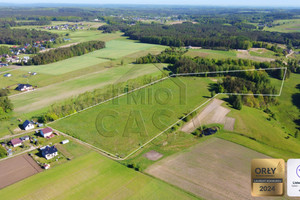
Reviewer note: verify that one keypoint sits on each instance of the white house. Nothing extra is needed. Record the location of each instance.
(46, 132)
(27, 125)
(49, 152)
(24, 87)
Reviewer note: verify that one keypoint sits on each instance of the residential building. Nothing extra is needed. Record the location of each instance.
(27, 125)
(49, 152)
(16, 142)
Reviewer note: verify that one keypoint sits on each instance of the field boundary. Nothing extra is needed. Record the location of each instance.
(115, 157)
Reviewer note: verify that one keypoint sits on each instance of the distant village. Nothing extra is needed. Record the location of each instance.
(16, 51)
(65, 27)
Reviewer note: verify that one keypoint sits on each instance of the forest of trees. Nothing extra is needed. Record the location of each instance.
(4, 50)
(215, 36)
(64, 53)
(5, 104)
(22, 36)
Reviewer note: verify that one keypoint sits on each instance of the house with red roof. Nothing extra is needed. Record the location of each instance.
(16, 142)
(46, 132)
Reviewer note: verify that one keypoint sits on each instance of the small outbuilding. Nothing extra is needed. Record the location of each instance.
(7, 75)
(65, 141)
(24, 138)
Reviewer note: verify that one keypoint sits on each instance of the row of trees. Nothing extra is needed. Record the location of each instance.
(22, 36)
(5, 104)
(184, 64)
(67, 52)
(88, 99)
(11, 23)
(206, 35)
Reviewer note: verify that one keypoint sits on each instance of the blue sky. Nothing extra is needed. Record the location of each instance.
(272, 3)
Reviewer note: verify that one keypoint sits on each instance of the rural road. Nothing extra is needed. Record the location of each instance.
(24, 132)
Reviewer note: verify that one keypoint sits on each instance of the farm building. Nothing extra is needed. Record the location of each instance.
(24, 138)
(65, 141)
(27, 125)
(47, 166)
(46, 132)
(49, 152)
(7, 75)
(16, 142)
(24, 87)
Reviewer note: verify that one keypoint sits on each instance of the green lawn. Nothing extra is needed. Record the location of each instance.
(137, 122)
(92, 176)
(208, 53)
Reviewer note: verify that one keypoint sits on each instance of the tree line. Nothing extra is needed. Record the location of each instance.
(91, 98)
(246, 82)
(11, 23)
(216, 36)
(6, 106)
(23, 36)
(65, 53)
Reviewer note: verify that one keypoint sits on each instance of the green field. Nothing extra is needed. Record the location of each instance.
(92, 176)
(208, 53)
(136, 120)
(46, 96)
(272, 137)
(286, 26)
(287, 111)
(265, 53)
(114, 49)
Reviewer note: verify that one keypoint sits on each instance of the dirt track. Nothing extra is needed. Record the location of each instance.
(215, 169)
(213, 113)
(17, 168)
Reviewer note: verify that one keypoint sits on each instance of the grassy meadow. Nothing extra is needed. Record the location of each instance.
(208, 53)
(255, 129)
(48, 95)
(285, 26)
(137, 121)
(99, 178)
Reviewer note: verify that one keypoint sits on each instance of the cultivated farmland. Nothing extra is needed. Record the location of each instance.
(15, 169)
(92, 176)
(214, 169)
(114, 49)
(137, 119)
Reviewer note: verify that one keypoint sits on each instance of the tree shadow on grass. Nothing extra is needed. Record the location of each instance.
(296, 102)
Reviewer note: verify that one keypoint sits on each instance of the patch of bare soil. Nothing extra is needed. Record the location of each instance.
(213, 113)
(17, 168)
(215, 169)
(153, 155)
